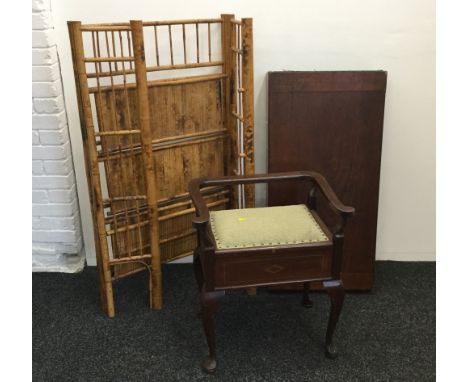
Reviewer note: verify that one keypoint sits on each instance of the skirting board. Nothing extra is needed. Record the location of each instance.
(381, 256)
(406, 256)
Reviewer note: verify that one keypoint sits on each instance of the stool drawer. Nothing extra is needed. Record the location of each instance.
(271, 269)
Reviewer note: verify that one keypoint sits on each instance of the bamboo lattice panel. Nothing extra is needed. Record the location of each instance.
(160, 103)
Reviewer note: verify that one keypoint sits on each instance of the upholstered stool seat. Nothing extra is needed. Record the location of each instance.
(268, 226)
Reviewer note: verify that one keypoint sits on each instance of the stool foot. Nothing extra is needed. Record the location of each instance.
(331, 351)
(209, 365)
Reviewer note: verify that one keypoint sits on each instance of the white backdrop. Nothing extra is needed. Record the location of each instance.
(397, 36)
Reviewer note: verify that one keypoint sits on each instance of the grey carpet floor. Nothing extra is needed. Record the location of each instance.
(385, 335)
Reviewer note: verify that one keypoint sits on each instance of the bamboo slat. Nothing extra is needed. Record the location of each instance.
(197, 135)
(108, 59)
(105, 27)
(198, 43)
(126, 26)
(164, 82)
(167, 203)
(118, 132)
(122, 260)
(181, 22)
(173, 66)
(156, 68)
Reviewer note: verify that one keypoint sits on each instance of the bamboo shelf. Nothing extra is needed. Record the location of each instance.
(160, 103)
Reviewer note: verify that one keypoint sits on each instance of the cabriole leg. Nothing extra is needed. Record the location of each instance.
(209, 305)
(336, 293)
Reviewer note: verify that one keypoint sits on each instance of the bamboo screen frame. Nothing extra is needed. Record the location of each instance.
(135, 133)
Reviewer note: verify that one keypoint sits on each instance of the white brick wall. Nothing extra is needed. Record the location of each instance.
(57, 242)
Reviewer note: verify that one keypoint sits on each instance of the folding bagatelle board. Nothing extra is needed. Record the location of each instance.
(160, 103)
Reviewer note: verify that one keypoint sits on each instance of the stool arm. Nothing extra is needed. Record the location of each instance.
(318, 179)
(335, 203)
(202, 213)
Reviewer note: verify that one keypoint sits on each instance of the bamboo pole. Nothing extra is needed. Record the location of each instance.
(165, 145)
(144, 121)
(237, 108)
(129, 45)
(248, 114)
(121, 275)
(166, 204)
(190, 210)
(198, 43)
(166, 82)
(116, 65)
(158, 68)
(184, 66)
(126, 26)
(102, 142)
(121, 198)
(170, 45)
(156, 44)
(94, 184)
(229, 121)
(108, 59)
(236, 105)
(188, 202)
(71, 32)
(127, 259)
(182, 235)
(248, 107)
(185, 43)
(127, 227)
(127, 112)
(196, 135)
(177, 22)
(209, 42)
(105, 27)
(116, 132)
(188, 142)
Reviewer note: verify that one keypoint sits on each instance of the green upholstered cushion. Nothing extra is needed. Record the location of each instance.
(268, 226)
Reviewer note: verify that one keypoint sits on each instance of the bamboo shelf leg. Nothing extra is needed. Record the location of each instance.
(104, 271)
(228, 68)
(148, 162)
(248, 114)
(247, 108)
